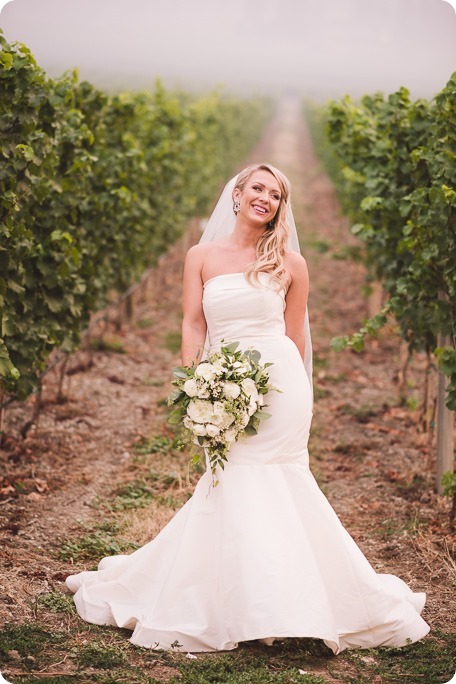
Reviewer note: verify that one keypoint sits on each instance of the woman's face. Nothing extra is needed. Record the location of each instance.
(260, 199)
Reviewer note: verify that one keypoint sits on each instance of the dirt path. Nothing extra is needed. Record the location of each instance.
(81, 474)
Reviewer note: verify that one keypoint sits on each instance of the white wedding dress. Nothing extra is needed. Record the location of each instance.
(262, 555)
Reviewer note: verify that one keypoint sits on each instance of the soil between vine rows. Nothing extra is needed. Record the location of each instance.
(79, 475)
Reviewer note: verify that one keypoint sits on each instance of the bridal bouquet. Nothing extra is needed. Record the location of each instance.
(219, 400)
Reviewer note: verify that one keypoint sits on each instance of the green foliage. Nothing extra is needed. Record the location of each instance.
(449, 483)
(229, 669)
(100, 656)
(159, 444)
(100, 542)
(56, 602)
(28, 641)
(93, 188)
(136, 494)
(394, 164)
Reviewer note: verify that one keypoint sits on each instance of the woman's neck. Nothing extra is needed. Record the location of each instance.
(244, 235)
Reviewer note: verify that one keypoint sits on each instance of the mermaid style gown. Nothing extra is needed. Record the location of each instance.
(262, 555)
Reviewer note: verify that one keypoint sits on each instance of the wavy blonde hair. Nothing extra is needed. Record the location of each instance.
(272, 243)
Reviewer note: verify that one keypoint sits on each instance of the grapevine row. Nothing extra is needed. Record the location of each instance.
(93, 188)
(394, 164)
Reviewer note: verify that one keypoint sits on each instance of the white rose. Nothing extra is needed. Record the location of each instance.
(200, 411)
(252, 407)
(244, 419)
(212, 430)
(206, 371)
(200, 430)
(242, 367)
(191, 387)
(249, 387)
(203, 393)
(220, 417)
(219, 366)
(260, 400)
(230, 435)
(231, 390)
(188, 423)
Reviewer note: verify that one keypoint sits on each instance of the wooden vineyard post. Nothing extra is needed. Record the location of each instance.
(445, 427)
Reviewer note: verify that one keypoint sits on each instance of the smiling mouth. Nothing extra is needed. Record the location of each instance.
(260, 210)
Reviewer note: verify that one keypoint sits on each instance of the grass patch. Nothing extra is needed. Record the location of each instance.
(102, 541)
(172, 341)
(160, 444)
(136, 494)
(25, 645)
(145, 322)
(244, 668)
(362, 414)
(56, 602)
(431, 661)
(111, 344)
(153, 382)
(100, 656)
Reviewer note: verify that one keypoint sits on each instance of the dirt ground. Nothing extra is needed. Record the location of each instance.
(368, 452)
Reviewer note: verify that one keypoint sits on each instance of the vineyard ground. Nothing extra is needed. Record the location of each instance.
(99, 474)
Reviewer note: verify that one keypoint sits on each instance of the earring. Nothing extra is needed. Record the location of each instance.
(236, 206)
(271, 224)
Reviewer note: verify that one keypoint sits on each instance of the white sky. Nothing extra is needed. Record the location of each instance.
(314, 47)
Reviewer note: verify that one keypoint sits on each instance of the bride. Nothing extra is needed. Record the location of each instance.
(263, 555)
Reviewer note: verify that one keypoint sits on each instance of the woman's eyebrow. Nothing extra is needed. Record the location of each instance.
(263, 185)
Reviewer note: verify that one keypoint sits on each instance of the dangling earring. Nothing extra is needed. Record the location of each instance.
(271, 224)
(236, 206)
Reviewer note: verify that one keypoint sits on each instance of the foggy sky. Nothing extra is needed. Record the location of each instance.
(318, 48)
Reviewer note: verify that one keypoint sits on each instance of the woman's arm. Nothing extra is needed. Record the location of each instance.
(193, 323)
(296, 299)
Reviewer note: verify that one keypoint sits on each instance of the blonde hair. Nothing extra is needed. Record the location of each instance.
(272, 243)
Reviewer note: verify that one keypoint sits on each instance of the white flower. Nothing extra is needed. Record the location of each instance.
(219, 366)
(230, 435)
(231, 390)
(260, 400)
(212, 430)
(252, 407)
(200, 430)
(203, 392)
(242, 367)
(200, 411)
(188, 423)
(219, 416)
(191, 387)
(206, 371)
(244, 419)
(249, 387)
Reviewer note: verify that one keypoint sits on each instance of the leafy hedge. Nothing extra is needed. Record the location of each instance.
(394, 164)
(92, 189)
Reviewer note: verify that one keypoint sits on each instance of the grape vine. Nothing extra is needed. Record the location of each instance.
(393, 161)
(93, 188)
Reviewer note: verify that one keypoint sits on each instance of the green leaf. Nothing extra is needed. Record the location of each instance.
(339, 343)
(175, 416)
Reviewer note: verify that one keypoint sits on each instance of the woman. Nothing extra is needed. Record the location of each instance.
(263, 555)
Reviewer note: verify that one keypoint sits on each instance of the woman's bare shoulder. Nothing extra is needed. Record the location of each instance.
(198, 253)
(295, 264)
